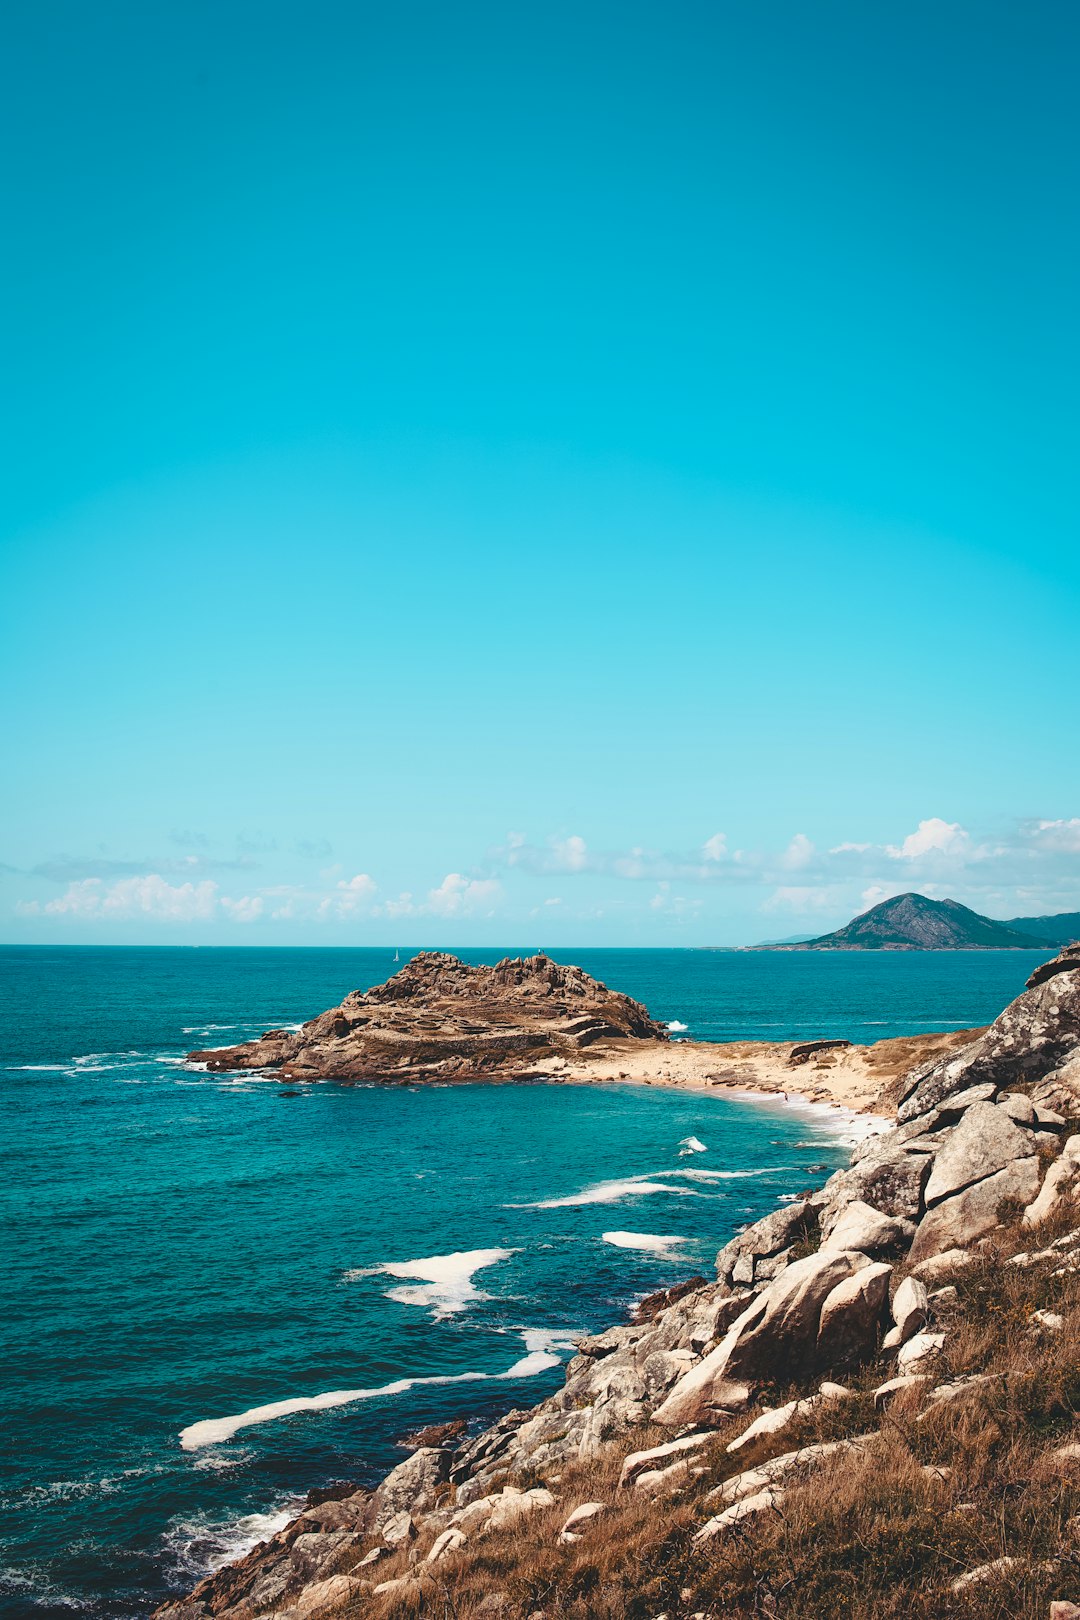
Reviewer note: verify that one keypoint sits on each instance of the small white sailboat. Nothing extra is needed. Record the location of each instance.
(397, 956)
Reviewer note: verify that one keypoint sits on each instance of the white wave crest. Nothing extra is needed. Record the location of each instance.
(445, 1284)
(212, 1431)
(649, 1242)
(608, 1192)
(676, 1028)
(692, 1144)
(541, 1346)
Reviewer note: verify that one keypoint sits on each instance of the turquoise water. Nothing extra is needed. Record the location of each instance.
(183, 1249)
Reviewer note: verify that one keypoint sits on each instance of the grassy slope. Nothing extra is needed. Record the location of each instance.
(880, 1535)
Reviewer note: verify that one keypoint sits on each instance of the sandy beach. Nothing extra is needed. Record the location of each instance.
(858, 1079)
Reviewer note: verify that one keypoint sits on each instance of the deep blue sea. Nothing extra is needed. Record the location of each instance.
(217, 1295)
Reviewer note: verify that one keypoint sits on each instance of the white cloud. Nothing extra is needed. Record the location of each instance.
(555, 900)
(403, 906)
(149, 896)
(931, 837)
(1062, 836)
(352, 895)
(799, 853)
(673, 905)
(715, 848)
(800, 898)
(249, 908)
(457, 895)
(570, 854)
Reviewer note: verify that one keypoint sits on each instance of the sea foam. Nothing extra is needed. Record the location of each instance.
(609, 1192)
(212, 1431)
(649, 1242)
(198, 1546)
(541, 1347)
(445, 1284)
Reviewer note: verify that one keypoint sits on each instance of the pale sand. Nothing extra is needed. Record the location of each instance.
(858, 1079)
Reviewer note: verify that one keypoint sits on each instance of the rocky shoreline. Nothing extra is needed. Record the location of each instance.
(857, 1282)
(439, 1021)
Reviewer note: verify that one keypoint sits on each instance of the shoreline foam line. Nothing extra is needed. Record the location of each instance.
(540, 1346)
(211, 1431)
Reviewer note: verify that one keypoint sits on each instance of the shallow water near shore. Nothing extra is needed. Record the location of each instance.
(222, 1292)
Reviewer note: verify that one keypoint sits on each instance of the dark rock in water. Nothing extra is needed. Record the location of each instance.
(650, 1307)
(441, 1019)
(331, 1493)
(436, 1434)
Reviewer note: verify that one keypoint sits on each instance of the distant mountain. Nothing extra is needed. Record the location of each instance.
(911, 922)
(1061, 929)
(791, 939)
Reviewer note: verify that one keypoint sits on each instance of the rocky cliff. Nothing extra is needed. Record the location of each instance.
(441, 1019)
(869, 1411)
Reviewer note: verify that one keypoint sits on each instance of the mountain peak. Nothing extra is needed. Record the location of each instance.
(914, 922)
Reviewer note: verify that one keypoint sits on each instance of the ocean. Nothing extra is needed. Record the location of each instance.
(218, 1294)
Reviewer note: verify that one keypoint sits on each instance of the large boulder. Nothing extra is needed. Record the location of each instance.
(910, 1308)
(851, 1316)
(986, 1140)
(960, 1221)
(859, 1226)
(755, 1251)
(1061, 1182)
(411, 1487)
(779, 1329)
(1033, 1036)
(888, 1175)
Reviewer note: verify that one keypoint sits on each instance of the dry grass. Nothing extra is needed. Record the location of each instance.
(878, 1535)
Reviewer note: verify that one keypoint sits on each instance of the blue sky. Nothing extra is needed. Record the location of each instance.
(565, 475)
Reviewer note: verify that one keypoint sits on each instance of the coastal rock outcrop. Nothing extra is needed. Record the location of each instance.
(439, 1018)
(802, 1292)
(1032, 1038)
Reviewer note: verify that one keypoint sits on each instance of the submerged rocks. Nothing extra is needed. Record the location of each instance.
(439, 1018)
